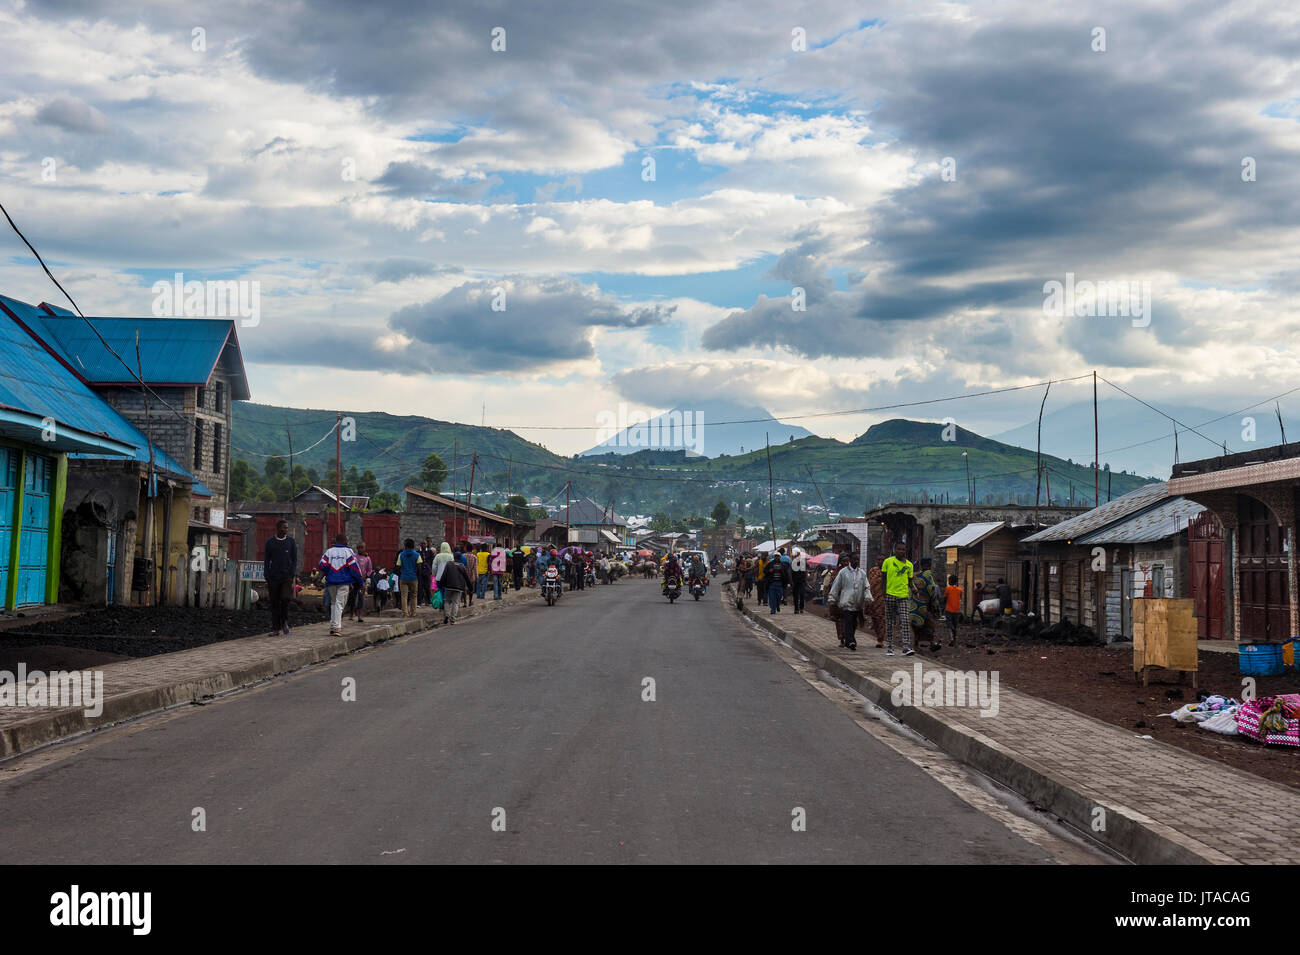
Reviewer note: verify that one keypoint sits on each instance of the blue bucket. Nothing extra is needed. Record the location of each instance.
(1260, 659)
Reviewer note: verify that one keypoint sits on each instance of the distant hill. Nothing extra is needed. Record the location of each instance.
(895, 460)
(697, 429)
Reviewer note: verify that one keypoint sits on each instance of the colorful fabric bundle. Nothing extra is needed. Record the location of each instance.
(1264, 721)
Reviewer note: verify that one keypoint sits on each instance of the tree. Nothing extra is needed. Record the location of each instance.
(517, 508)
(661, 522)
(244, 483)
(432, 473)
(368, 484)
(720, 513)
(740, 522)
(275, 469)
(792, 528)
(386, 500)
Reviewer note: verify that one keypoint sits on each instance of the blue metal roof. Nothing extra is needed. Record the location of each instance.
(34, 383)
(173, 351)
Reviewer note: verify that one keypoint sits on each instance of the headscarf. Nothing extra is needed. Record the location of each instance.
(443, 558)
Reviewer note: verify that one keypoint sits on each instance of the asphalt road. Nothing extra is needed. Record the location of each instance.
(533, 720)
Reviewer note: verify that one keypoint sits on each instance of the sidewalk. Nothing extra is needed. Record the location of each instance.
(136, 687)
(1161, 804)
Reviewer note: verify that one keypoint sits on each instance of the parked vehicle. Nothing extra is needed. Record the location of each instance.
(552, 585)
(672, 588)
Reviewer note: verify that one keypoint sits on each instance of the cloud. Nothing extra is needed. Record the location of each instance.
(72, 115)
(519, 323)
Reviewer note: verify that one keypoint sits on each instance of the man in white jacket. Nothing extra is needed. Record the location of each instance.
(850, 593)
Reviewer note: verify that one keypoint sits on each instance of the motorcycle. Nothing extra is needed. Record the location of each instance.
(552, 586)
(698, 586)
(672, 588)
(591, 577)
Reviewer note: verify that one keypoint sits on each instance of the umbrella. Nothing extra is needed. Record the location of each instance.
(645, 552)
(824, 560)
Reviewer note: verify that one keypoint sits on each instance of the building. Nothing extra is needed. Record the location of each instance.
(596, 526)
(81, 494)
(1088, 569)
(1253, 496)
(428, 514)
(984, 553)
(194, 365)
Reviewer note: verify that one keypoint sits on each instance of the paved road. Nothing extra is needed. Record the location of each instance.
(536, 711)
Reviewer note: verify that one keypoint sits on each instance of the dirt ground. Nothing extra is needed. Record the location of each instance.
(1099, 681)
(99, 637)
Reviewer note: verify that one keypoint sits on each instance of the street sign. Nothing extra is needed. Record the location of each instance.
(252, 570)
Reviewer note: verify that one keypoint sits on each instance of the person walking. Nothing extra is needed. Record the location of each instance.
(454, 584)
(424, 592)
(517, 567)
(339, 565)
(798, 578)
(465, 555)
(952, 607)
(898, 579)
(849, 593)
(876, 602)
(280, 567)
(408, 567)
(1003, 592)
(357, 602)
(778, 579)
(497, 564)
(482, 567)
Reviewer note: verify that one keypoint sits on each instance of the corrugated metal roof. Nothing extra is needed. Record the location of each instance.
(971, 534)
(174, 351)
(1156, 523)
(33, 380)
(1104, 516)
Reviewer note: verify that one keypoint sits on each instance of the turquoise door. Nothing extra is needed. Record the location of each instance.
(34, 546)
(8, 490)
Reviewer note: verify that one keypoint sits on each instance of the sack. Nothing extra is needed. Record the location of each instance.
(437, 600)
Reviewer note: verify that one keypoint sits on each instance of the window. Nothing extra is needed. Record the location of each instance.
(1158, 580)
(221, 387)
(216, 449)
(198, 445)
(202, 397)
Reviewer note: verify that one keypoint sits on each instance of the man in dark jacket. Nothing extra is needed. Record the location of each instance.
(280, 564)
(453, 584)
(517, 559)
(424, 574)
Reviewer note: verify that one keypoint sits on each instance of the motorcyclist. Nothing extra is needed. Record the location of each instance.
(697, 568)
(671, 569)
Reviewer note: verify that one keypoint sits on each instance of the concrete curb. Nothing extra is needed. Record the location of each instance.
(55, 725)
(1127, 832)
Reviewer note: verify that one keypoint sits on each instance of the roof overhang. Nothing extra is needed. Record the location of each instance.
(1266, 472)
(48, 433)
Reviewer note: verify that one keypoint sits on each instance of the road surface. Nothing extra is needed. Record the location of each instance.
(524, 736)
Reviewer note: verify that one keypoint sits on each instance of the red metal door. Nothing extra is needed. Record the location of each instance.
(381, 534)
(314, 546)
(1205, 550)
(1265, 599)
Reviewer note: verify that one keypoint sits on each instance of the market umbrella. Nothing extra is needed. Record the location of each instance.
(824, 560)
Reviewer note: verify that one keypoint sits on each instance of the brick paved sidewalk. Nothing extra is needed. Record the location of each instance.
(1161, 804)
(135, 687)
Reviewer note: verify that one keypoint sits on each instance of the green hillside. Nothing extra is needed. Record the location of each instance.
(896, 460)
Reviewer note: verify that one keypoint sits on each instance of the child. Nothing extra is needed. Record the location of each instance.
(381, 590)
(952, 607)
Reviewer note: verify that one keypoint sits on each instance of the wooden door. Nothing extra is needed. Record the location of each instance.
(1265, 599)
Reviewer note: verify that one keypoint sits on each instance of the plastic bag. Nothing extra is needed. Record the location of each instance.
(437, 600)
(1224, 721)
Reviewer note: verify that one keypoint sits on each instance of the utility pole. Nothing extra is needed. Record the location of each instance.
(293, 494)
(567, 505)
(455, 474)
(338, 475)
(1039, 483)
(1096, 446)
(470, 495)
(970, 505)
(771, 515)
(149, 478)
(819, 491)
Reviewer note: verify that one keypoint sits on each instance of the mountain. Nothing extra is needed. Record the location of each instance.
(1135, 438)
(896, 460)
(696, 430)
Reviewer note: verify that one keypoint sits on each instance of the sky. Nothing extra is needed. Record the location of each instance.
(529, 214)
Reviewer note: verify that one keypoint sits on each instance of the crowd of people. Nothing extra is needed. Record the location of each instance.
(446, 578)
(904, 603)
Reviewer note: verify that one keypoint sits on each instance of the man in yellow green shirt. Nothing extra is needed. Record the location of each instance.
(898, 581)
